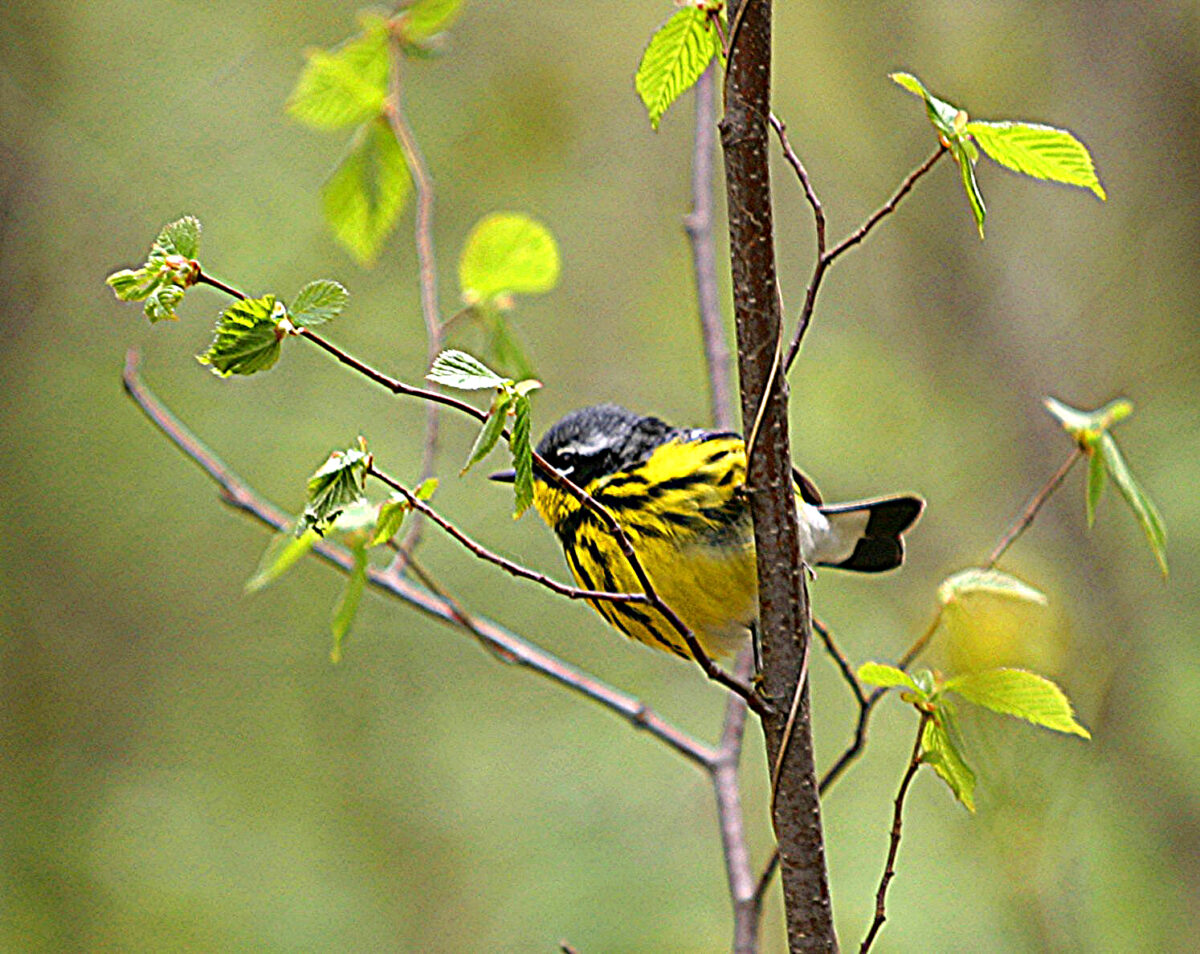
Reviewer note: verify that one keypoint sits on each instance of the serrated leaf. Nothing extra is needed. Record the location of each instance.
(133, 284)
(391, 517)
(345, 85)
(336, 484)
(457, 369)
(364, 196)
(1019, 693)
(248, 338)
(522, 455)
(879, 674)
(507, 253)
(490, 432)
(1043, 152)
(347, 606)
(994, 582)
(1095, 484)
(181, 237)
(676, 56)
(940, 752)
(1142, 506)
(283, 552)
(318, 302)
(162, 302)
(425, 18)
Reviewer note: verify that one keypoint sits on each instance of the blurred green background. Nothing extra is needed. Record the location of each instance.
(184, 770)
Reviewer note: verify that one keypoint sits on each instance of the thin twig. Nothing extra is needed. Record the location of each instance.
(1036, 502)
(238, 494)
(730, 818)
(826, 258)
(802, 174)
(209, 280)
(889, 869)
(427, 265)
(699, 227)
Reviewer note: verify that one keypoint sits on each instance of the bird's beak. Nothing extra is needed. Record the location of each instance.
(503, 476)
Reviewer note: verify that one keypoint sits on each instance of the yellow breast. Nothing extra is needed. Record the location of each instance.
(689, 524)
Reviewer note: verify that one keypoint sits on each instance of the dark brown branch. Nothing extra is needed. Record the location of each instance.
(783, 600)
(827, 258)
(236, 493)
(889, 868)
(427, 265)
(699, 228)
(1036, 502)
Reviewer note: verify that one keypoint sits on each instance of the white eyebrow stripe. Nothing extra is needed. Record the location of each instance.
(584, 449)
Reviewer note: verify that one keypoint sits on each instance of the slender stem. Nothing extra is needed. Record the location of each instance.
(699, 227)
(427, 265)
(228, 290)
(238, 494)
(1036, 502)
(889, 869)
(827, 258)
(802, 174)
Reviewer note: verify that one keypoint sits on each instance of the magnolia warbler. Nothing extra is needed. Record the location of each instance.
(677, 494)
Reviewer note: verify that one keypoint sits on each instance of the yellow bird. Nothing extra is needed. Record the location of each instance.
(676, 492)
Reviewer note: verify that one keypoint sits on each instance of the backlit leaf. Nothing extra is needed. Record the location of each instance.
(678, 53)
(283, 552)
(364, 196)
(507, 253)
(878, 674)
(1043, 152)
(1142, 506)
(318, 302)
(345, 85)
(248, 337)
(994, 582)
(1015, 692)
(457, 369)
(939, 751)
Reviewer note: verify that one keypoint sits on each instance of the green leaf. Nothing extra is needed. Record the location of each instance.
(1015, 692)
(425, 18)
(678, 53)
(181, 237)
(945, 117)
(457, 369)
(318, 302)
(505, 349)
(391, 517)
(1043, 152)
(347, 606)
(336, 484)
(162, 302)
(879, 674)
(490, 432)
(346, 85)
(507, 253)
(522, 454)
(248, 337)
(967, 168)
(1087, 426)
(283, 552)
(364, 196)
(133, 284)
(1095, 484)
(1142, 506)
(940, 752)
(994, 582)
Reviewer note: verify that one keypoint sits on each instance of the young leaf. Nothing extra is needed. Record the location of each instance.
(425, 18)
(678, 53)
(966, 167)
(1085, 427)
(457, 369)
(938, 749)
(522, 454)
(364, 196)
(318, 302)
(426, 489)
(1095, 484)
(942, 115)
(391, 517)
(507, 253)
(1018, 693)
(505, 349)
(283, 552)
(490, 432)
(162, 302)
(1043, 152)
(878, 674)
(337, 483)
(248, 337)
(347, 606)
(995, 582)
(133, 284)
(346, 85)
(1142, 506)
(181, 237)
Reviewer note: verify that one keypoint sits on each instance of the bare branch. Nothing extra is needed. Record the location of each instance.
(1036, 502)
(889, 869)
(699, 227)
(236, 493)
(427, 265)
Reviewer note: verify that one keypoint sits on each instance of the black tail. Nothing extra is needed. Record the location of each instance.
(870, 531)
